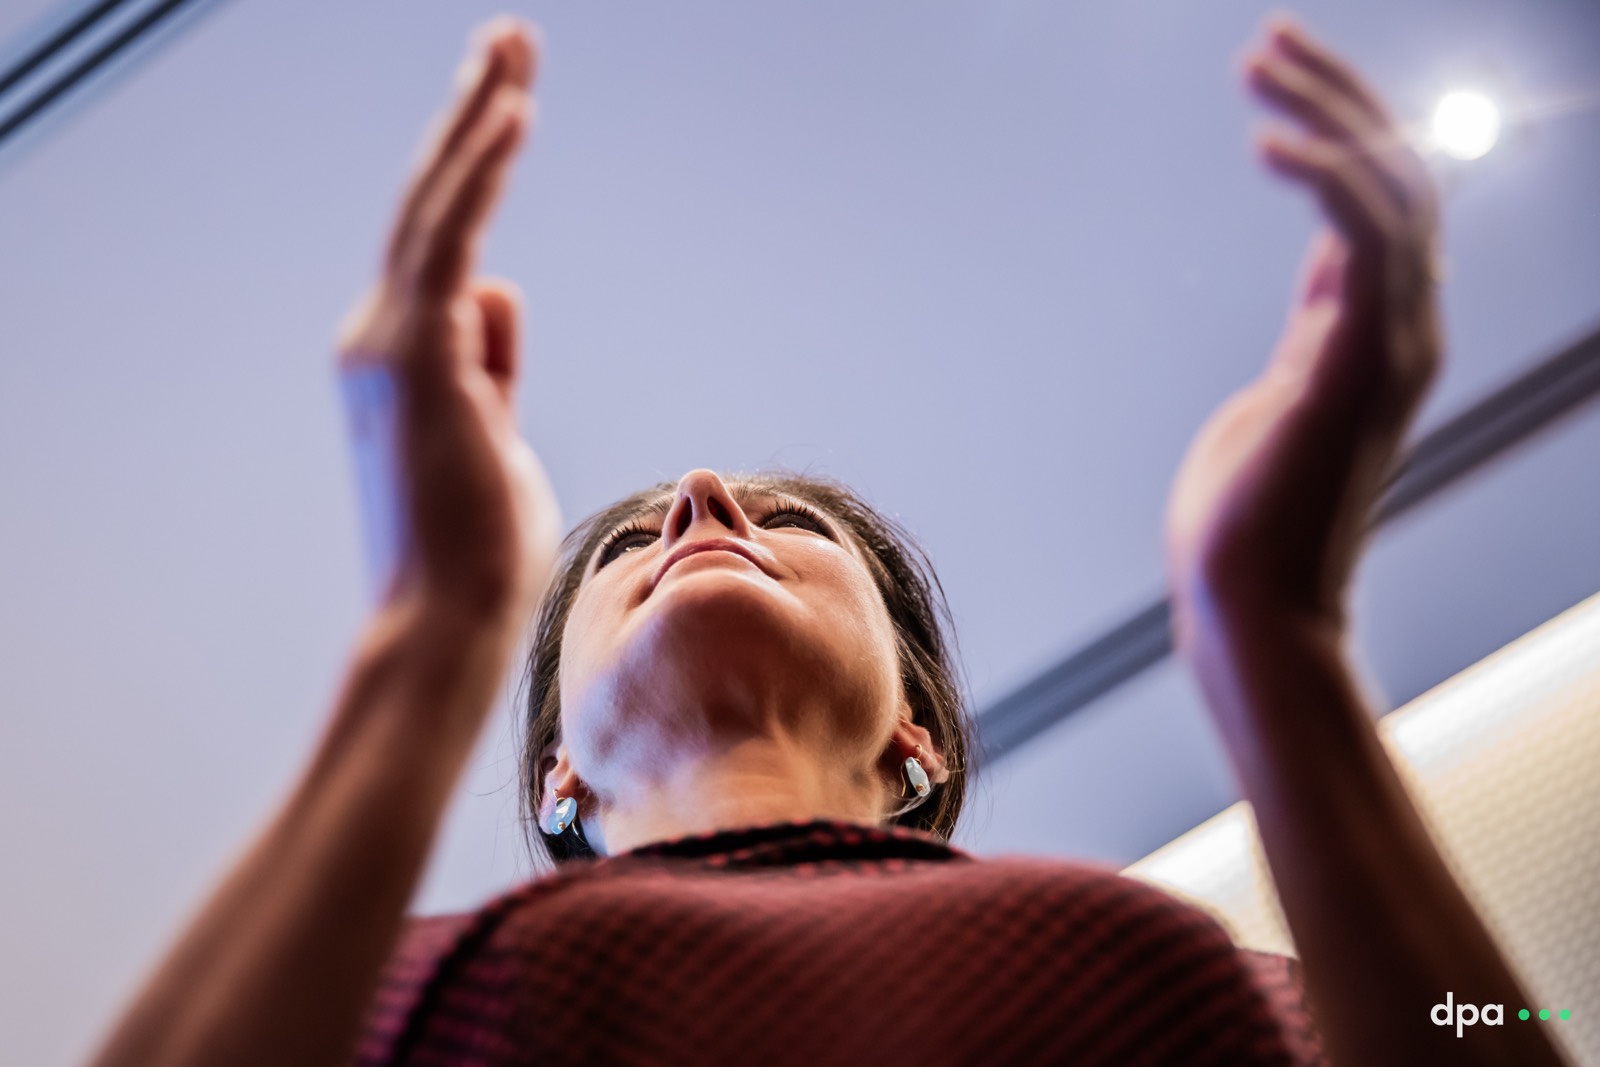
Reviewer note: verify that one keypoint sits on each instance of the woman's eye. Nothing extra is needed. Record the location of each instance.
(629, 539)
(803, 519)
(625, 542)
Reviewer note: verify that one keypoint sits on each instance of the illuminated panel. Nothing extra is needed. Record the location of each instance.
(1504, 762)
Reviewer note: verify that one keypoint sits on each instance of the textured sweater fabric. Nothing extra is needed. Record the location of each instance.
(832, 943)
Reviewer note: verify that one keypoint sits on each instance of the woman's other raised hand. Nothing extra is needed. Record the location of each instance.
(290, 946)
(1270, 507)
(460, 514)
(1265, 525)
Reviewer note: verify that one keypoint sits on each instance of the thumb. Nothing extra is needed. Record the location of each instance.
(500, 304)
(1316, 310)
(1322, 274)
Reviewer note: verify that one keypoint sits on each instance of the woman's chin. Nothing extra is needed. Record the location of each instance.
(735, 624)
(723, 603)
(731, 642)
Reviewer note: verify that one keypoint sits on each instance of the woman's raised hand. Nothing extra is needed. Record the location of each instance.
(1264, 528)
(1270, 507)
(463, 528)
(460, 514)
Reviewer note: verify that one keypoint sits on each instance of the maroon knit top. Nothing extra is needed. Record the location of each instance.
(832, 943)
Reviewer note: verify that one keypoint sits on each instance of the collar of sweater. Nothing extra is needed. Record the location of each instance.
(786, 843)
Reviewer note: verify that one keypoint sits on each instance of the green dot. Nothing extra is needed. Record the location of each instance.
(1544, 1013)
(1523, 1014)
(1565, 1014)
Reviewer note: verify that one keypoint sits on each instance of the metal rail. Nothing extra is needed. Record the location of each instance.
(81, 26)
(1512, 413)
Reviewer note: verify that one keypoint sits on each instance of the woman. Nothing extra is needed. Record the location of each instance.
(742, 698)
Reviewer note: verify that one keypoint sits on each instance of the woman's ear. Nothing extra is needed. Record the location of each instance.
(904, 741)
(561, 781)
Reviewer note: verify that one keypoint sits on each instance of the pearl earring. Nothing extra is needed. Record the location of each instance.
(913, 783)
(565, 815)
(916, 777)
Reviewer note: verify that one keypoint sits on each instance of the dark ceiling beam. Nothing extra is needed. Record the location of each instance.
(76, 26)
(20, 106)
(1512, 413)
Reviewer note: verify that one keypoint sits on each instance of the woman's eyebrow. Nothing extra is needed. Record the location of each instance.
(841, 530)
(657, 507)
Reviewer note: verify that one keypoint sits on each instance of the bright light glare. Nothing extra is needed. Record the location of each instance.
(1466, 125)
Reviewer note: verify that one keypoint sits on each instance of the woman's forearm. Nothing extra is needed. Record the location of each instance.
(281, 962)
(1381, 925)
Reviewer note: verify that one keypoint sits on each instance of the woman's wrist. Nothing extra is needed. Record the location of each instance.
(431, 626)
(1376, 914)
(421, 680)
(280, 962)
(1282, 690)
(1237, 639)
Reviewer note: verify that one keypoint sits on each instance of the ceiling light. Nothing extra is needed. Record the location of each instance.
(1465, 124)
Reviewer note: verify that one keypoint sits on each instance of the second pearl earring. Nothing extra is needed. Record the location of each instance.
(916, 777)
(566, 812)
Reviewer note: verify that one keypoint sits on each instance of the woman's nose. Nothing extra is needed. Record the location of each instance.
(704, 501)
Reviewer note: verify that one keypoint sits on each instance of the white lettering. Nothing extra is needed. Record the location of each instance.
(1465, 1015)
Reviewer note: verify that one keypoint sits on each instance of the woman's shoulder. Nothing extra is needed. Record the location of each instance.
(1054, 903)
(916, 869)
(1077, 932)
(422, 953)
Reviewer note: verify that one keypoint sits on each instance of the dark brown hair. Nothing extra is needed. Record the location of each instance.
(924, 637)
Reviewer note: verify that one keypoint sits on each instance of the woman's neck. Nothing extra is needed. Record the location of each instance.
(754, 782)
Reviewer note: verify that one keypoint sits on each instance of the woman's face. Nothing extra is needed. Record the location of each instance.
(725, 613)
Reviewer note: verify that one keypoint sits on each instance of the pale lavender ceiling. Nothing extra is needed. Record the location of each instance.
(990, 262)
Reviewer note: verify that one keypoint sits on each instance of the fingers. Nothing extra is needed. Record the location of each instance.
(1351, 196)
(451, 224)
(1293, 40)
(504, 55)
(500, 305)
(459, 179)
(1353, 155)
(1320, 301)
(1300, 92)
(1323, 273)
